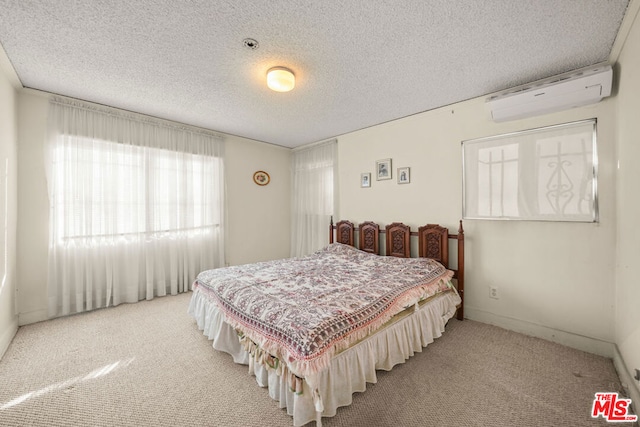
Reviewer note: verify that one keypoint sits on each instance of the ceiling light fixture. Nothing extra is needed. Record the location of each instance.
(280, 79)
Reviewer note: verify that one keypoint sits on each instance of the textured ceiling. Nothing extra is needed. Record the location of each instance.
(357, 63)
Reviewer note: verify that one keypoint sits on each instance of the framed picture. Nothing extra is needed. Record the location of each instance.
(261, 178)
(383, 169)
(365, 180)
(404, 176)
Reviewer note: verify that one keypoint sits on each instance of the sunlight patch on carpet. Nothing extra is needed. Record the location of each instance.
(96, 373)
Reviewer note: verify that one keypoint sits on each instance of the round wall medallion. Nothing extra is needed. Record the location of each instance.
(261, 178)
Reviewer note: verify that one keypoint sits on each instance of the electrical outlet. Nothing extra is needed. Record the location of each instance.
(493, 292)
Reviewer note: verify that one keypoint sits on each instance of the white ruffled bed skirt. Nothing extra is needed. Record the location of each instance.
(349, 371)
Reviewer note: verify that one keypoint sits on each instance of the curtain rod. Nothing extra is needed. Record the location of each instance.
(315, 144)
(126, 114)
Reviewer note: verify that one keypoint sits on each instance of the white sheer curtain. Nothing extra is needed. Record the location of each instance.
(314, 195)
(136, 206)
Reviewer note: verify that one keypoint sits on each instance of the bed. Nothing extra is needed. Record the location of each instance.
(315, 329)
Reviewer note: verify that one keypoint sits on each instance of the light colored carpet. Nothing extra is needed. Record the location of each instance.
(147, 364)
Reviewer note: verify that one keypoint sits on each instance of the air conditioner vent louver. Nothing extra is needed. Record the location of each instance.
(557, 93)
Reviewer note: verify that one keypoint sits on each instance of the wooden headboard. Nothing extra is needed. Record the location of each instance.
(433, 242)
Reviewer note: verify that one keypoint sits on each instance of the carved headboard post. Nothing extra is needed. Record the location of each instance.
(344, 232)
(433, 242)
(461, 270)
(369, 237)
(398, 236)
(331, 230)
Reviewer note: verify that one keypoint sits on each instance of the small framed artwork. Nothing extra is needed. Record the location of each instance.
(261, 178)
(383, 169)
(404, 175)
(365, 180)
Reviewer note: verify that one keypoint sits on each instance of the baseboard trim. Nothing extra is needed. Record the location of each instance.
(579, 342)
(7, 336)
(628, 383)
(32, 317)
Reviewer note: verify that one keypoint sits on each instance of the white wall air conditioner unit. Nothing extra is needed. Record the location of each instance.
(569, 90)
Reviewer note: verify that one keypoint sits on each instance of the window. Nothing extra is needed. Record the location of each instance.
(110, 189)
(540, 174)
(313, 199)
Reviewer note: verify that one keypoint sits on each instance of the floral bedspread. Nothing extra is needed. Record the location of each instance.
(303, 310)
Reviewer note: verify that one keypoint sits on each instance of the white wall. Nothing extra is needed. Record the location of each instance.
(257, 222)
(33, 209)
(259, 216)
(8, 208)
(627, 313)
(556, 280)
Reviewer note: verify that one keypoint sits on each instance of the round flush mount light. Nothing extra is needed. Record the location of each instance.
(280, 79)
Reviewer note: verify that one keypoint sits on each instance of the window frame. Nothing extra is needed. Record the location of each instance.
(520, 138)
(142, 155)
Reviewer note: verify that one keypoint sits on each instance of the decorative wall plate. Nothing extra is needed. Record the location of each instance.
(261, 178)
